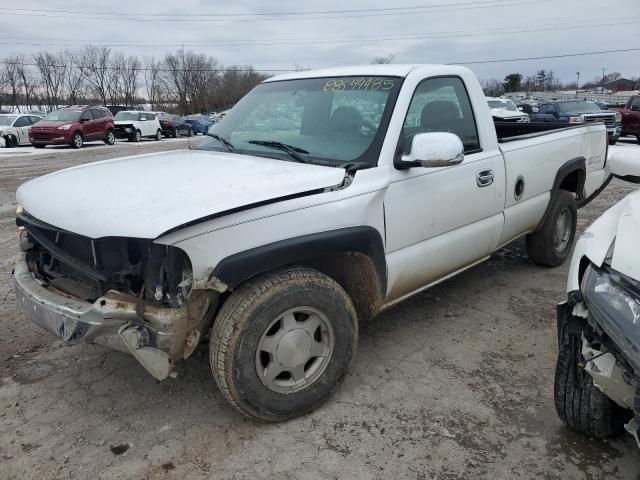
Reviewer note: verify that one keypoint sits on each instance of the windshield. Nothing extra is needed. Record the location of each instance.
(580, 106)
(503, 105)
(7, 120)
(126, 116)
(63, 115)
(337, 119)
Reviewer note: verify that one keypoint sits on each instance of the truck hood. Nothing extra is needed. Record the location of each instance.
(620, 223)
(144, 196)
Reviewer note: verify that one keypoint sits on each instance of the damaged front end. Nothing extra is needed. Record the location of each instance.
(129, 294)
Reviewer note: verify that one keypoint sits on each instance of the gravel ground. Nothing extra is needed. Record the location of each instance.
(456, 382)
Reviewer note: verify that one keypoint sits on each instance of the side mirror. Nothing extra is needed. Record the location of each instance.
(624, 165)
(434, 149)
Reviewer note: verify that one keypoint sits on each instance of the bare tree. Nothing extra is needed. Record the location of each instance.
(130, 74)
(114, 76)
(153, 80)
(383, 60)
(12, 76)
(52, 69)
(94, 64)
(75, 80)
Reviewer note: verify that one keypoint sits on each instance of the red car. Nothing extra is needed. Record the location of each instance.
(631, 117)
(73, 126)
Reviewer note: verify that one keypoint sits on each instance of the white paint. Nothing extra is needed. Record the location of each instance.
(147, 128)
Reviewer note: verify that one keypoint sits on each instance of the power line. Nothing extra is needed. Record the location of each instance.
(269, 14)
(324, 40)
(272, 70)
(338, 15)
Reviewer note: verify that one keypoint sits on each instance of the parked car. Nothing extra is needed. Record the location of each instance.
(135, 125)
(14, 129)
(199, 123)
(577, 112)
(630, 117)
(174, 125)
(597, 381)
(504, 110)
(277, 243)
(74, 126)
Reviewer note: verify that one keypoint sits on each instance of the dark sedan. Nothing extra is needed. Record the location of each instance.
(174, 125)
(199, 123)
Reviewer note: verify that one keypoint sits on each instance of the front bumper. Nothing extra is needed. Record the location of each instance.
(77, 321)
(53, 137)
(614, 132)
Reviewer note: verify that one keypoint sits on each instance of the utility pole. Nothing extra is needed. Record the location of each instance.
(577, 83)
(602, 88)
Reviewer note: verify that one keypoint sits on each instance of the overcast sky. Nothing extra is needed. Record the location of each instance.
(438, 31)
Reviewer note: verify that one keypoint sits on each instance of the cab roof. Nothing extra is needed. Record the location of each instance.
(386, 70)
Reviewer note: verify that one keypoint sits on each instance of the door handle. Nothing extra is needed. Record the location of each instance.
(484, 178)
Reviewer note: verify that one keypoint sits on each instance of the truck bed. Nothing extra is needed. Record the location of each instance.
(510, 131)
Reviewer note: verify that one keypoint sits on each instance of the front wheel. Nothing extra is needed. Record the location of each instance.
(76, 140)
(551, 244)
(613, 141)
(158, 136)
(579, 403)
(190, 133)
(110, 138)
(282, 343)
(137, 136)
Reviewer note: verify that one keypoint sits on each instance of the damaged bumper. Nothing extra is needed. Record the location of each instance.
(155, 335)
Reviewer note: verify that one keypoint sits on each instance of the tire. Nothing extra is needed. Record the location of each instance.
(176, 133)
(77, 140)
(543, 246)
(10, 141)
(110, 138)
(613, 142)
(190, 133)
(580, 404)
(249, 316)
(638, 139)
(158, 136)
(137, 136)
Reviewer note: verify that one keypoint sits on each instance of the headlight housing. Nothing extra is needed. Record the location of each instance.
(614, 301)
(64, 127)
(618, 117)
(576, 119)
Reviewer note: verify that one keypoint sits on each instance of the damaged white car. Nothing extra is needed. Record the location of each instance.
(323, 198)
(597, 382)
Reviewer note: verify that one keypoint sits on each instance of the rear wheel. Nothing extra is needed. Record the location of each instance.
(110, 138)
(77, 140)
(282, 343)
(190, 133)
(158, 135)
(551, 244)
(176, 132)
(579, 403)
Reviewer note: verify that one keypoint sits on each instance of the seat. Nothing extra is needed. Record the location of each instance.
(440, 116)
(345, 121)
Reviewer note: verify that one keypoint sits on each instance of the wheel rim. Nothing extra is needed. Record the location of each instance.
(294, 350)
(111, 138)
(77, 140)
(563, 230)
(138, 136)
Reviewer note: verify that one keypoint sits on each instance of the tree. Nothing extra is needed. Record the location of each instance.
(512, 82)
(153, 80)
(94, 64)
(383, 60)
(492, 87)
(75, 80)
(541, 79)
(52, 69)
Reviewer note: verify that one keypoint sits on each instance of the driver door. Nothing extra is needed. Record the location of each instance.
(443, 219)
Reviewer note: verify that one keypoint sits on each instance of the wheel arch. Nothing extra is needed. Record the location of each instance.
(571, 177)
(354, 257)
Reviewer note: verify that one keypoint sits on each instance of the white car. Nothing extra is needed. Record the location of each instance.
(323, 198)
(597, 384)
(504, 110)
(135, 125)
(14, 129)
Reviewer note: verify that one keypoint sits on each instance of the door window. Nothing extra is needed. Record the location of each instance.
(22, 122)
(441, 105)
(86, 115)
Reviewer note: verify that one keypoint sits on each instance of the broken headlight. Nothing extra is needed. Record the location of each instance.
(614, 301)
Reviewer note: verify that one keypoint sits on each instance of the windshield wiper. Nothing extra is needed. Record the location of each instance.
(229, 146)
(290, 149)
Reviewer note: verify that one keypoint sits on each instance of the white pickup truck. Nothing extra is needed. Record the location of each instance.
(323, 198)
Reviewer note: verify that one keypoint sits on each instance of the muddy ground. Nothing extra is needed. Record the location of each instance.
(456, 382)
